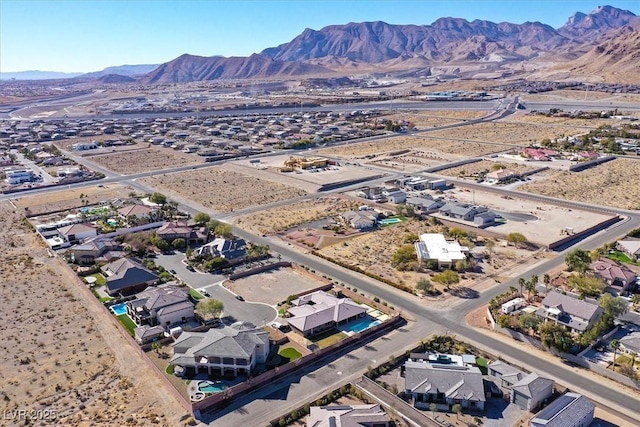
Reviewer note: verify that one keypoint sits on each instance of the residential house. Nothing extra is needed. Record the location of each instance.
(348, 416)
(126, 277)
(484, 218)
(235, 350)
(96, 250)
(630, 343)
(434, 247)
(531, 391)
(444, 385)
(617, 276)
(224, 248)
(163, 306)
(18, 176)
(461, 211)
(172, 230)
(569, 410)
(500, 175)
(575, 314)
(360, 220)
(75, 233)
(146, 334)
(425, 205)
(138, 211)
(319, 311)
(395, 196)
(631, 247)
(507, 374)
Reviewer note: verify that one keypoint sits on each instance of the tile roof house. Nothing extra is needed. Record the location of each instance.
(461, 211)
(630, 343)
(434, 246)
(95, 250)
(360, 220)
(77, 232)
(235, 349)
(319, 311)
(531, 391)
(507, 374)
(137, 210)
(425, 205)
(348, 416)
(444, 385)
(146, 334)
(617, 276)
(163, 306)
(501, 175)
(630, 247)
(577, 315)
(125, 277)
(224, 248)
(568, 410)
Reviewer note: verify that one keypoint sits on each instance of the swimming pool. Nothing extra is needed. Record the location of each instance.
(211, 387)
(119, 309)
(388, 221)
(360, 324)
(112, 222)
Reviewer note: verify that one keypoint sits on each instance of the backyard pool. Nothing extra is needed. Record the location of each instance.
(211, 386)
(112, 222)
(119, 309)
(360, 325)
(388, 221)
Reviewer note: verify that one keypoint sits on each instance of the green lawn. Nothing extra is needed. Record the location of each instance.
(105, 299)
(127, 323)
(621, 257)
(100, 279)
(482, 365)
(195, 294)
(329, 337)
(290, 353)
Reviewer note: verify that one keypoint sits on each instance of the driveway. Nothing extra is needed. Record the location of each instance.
(192, 278)
(234, 310)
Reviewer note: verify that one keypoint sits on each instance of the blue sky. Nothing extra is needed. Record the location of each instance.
(89, 35)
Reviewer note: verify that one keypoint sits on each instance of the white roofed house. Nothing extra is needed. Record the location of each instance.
(434, 246)
(631, 247)
(231, 350)
(319, 311)
(75, 233)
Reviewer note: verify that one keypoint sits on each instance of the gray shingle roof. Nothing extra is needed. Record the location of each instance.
(456, 382)
(346, 415)
(575, 313)
(532, 386)
(125, 273)
(565, 411)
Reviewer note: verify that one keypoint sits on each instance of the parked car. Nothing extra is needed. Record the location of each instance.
(190, 268)
(239, 298)
(172, 271)
(204, 292)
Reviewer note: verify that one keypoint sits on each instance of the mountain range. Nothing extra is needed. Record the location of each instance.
(122, 70)
(604, 41)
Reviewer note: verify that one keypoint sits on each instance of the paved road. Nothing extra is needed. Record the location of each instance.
(258, 313)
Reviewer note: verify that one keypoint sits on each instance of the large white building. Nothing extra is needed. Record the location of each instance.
(18, 176)
(434, 246)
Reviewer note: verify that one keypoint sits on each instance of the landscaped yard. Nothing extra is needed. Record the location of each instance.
(100, 279)
(195, 294)
(329, 337)
(621, 257)
(290, 353)
(127, 323)
(482, 365)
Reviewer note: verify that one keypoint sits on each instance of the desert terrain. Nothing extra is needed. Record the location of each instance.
(58, 354)
(614, 183)
(428, 119)
(277, 219)
(145, 160)
(224, 189)
(472, 169)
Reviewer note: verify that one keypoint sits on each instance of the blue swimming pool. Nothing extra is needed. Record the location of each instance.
(388, 221)
(211, 387)
(119, 309)
(360, 324)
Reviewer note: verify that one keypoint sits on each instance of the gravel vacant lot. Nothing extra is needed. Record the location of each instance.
(70, 198)
(282, 218)
(56, 354)
(509, 133)
(150, 159)
(615, 183)
(427, 119)
(273, 287)
(223, 189)
(472, 169)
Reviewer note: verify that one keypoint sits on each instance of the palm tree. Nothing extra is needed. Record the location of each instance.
(522, 283)
(615, 345)
(546, 279)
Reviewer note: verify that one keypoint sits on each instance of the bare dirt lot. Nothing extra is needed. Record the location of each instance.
(544, 229)
(56, 355)
(224, 189)
(273, 287)
(580, 95)
(520, 134)
(150, 159)
(614, 183)
(281, 218)
(558, 121)
(70, 198)
(427, 119)
(438, 148)
(473, 169)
